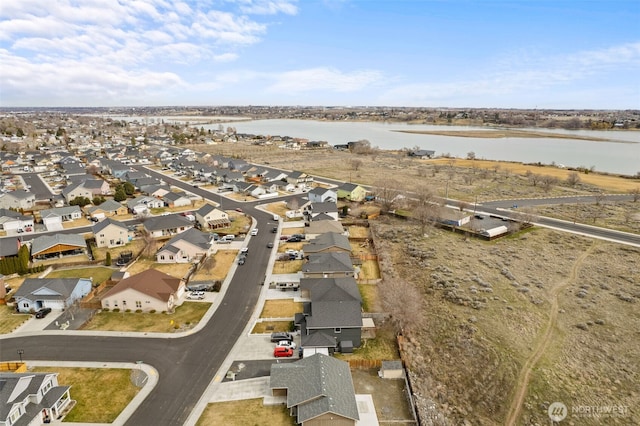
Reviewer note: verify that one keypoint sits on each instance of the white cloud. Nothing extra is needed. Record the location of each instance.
(268, 7)
(317, 79)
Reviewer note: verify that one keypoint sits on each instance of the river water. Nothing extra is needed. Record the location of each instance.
(612, 157)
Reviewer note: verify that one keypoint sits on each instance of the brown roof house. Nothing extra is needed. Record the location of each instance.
(146, 291)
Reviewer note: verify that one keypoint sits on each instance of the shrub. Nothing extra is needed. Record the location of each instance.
(128, 311)
(153, 311)
(116, 310)
(138, 311)
(176, 326)
(105, 310)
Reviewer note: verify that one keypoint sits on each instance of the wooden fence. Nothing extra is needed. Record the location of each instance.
(364, 364)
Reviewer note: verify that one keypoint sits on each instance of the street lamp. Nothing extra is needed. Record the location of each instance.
(20, 352)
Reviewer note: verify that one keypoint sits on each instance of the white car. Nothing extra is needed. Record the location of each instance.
(287, 344)
(192, 296)
(254, 231)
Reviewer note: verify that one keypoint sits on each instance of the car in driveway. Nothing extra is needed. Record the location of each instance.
(195, 296)
(43, 312)
(286, 344)
(278, 336)
(281, 352)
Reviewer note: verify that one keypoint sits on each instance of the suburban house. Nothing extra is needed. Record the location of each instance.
(54, 293)
(167, 225)
(176, 199)
(329, 209)
(14, 222)
(185, 247)
(351, 192)
(53, 218)
(87, 188)
(330, 241)
(318, 389)
(328, 265)
(157, 191)
(9, 247)
(57, 245)
(143, 204)
(335, 310)
(107, 209)
(111, 233)
(19, 199)
(210, 217)
(31, 398)
(321, 195)
(318, 227)
(149, 290)
(299, 178)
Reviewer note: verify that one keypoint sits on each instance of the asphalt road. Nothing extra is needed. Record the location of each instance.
(185, 365)
(37, 186)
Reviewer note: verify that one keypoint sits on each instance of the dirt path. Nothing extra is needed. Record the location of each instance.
(522, 384)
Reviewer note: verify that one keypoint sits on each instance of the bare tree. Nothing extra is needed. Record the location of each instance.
(387, 192)
(548, 182)
(573, 179)
(635, 192)
(463, 205)
(150, 244)
(355, 164)
(424, 195)
(403, 300)
(471, 155)
(599, 199)
(533, 178)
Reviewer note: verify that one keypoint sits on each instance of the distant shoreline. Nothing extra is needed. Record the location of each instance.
(509, 133)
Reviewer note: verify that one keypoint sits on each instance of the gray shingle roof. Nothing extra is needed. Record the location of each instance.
(106, 222)
(328, 262)
(170, 221)
(317, 385)
(328, 241)
(48, 288)
(44, 242)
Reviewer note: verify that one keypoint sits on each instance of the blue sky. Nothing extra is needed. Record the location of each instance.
(428, 53)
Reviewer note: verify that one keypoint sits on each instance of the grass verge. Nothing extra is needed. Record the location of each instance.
(9, 320)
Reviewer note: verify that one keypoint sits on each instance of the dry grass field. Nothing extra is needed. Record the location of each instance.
(177, 270)
(542, 314)
(280, 308)
(9, 320)
(216, 267)
(262, 327)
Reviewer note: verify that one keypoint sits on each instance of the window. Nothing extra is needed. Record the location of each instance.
(162, 257)
(46, 387)
(337, 330)
(106, 303)
(138, 304)
(13, 417)
(115, 304)
(124, 303)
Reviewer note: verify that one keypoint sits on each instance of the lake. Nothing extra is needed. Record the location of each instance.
(612, 157)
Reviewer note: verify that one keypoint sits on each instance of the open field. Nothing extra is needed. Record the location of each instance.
(245, 413)
(553, 314)
(94, 389)
(185, 316)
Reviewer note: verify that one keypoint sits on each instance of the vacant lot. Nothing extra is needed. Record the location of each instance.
(93, 389)
(495, 304)
(177, 270)
(185, 316)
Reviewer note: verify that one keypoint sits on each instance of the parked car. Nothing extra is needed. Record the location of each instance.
(294, 239)
(193, 296)
(242, 260)
(269, 245)
(274, 230)
(254, 231)
(43, 312)
(281, 351)
(239, 210)
(244, 251)
(278, 336)
(286, 344)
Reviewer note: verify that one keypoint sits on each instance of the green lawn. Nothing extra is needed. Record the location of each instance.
(187, 315)
(98, 275)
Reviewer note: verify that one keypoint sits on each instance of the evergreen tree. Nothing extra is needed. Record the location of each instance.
(107, 259)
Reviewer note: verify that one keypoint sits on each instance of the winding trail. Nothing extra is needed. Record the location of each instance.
(522, 384)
